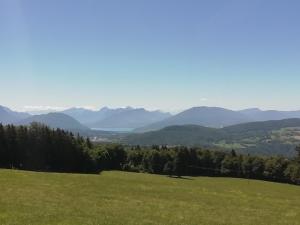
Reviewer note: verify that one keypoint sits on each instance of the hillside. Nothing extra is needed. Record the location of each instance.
(268, 137)
(176, 135)
(128, 198)
(203, 116)
(261, 127)
(55, 120)
(9, 116)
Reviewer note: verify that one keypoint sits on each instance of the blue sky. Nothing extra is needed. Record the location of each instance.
(158, 54)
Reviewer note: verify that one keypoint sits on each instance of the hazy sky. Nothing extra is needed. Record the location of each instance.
(163, 54)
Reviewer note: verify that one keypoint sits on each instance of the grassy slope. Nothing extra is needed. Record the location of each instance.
(129, 198)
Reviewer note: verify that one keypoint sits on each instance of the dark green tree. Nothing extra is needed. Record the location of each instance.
(180, 162)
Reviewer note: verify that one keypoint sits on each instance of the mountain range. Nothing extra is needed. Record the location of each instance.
(143, 120)
(87, 116)
(116, 118)
(204, 116)
(133, 118)
(219, 117)
(256, 114)
(82, 119)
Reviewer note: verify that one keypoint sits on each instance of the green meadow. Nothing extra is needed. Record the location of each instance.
(120, 198)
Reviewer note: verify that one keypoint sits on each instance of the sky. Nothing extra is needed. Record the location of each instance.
(157, 54)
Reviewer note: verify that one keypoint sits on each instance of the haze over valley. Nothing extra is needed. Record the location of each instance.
(252, 131)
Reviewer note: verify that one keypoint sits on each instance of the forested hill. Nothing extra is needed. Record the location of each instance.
(269, 137)
(176, 135)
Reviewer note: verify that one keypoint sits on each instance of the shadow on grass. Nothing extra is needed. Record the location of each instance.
(179, 177)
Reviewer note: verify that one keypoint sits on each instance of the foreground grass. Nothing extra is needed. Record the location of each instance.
(28, 198)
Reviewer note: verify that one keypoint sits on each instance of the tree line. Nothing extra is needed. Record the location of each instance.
(183, 161)
(37, 147)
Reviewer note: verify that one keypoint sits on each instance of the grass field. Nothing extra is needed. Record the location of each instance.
(119, 198)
